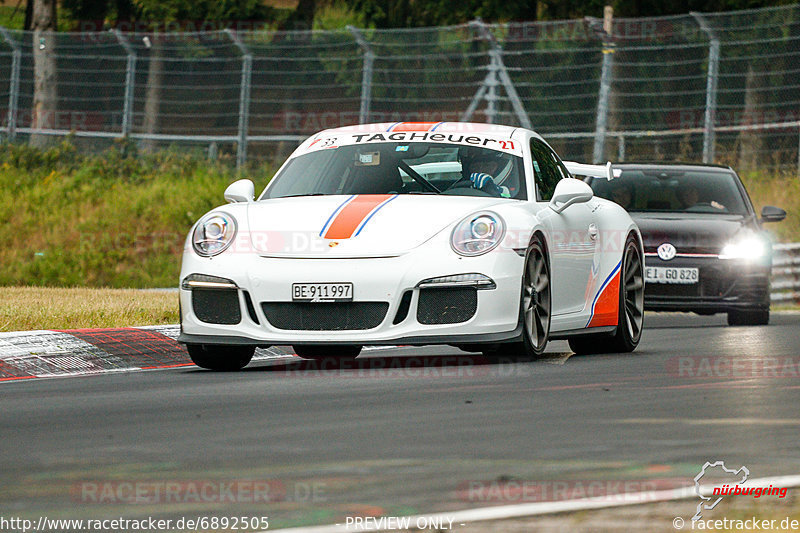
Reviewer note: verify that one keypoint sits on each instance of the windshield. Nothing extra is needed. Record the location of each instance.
(402, 168)
(663, 190)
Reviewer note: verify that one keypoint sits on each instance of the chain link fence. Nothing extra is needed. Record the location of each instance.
(713, 87)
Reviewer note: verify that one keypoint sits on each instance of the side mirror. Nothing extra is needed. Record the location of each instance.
(570, 191)
(240, 191)
(770, 213)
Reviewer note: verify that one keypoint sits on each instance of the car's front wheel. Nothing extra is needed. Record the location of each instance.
(325, 351)
(535, 305)
(220, 358)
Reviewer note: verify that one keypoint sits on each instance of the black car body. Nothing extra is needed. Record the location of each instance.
(705, 249)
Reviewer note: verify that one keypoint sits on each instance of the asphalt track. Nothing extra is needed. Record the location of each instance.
(406, 430)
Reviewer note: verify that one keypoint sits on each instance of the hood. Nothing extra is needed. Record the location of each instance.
(690, 233)
(354, 226)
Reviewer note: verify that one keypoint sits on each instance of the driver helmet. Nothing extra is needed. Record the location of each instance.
(469, 155)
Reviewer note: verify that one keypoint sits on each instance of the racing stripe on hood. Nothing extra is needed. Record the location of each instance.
(414, 126)
(350, 218)
(605, 307)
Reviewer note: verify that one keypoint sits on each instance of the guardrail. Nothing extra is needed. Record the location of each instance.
(786, 273)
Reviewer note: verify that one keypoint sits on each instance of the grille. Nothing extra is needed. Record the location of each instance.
(446, 306)
(214, 306)
(672, 289)
(332, 316)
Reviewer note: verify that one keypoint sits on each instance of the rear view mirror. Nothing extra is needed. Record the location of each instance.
(770, 213)
(240, 191)
(570, 191)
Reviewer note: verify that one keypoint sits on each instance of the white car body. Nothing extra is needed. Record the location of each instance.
(390, 245)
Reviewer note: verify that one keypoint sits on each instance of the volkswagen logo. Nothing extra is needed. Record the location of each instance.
(666, 251)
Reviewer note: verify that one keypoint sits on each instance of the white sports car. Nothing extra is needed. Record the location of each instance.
(473, 235)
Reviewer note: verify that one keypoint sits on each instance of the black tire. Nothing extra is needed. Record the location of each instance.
(756, 317)
(220, 358)
(631, 309)
(535, 301)
(327, 351)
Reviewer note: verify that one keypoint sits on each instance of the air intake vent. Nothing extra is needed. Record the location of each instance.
(215, 306)
(446, 306)
(334, 316)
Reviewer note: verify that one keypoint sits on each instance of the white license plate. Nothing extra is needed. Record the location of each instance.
(684, 276)
(322, 292)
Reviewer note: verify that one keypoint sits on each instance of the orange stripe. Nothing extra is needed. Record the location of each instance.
(414, 126)
(348, 219)
(606, 309)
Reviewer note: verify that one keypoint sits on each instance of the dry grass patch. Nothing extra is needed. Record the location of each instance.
(29, 308)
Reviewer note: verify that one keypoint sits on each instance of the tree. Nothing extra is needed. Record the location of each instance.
(45, 88)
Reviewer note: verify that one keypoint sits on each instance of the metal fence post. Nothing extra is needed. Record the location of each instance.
(621, 148)
(497, 70)
(709, 135)
(605, 90)
(366, 74)
(13, 91)
(491, 89)
(130, 81)
(244, 98)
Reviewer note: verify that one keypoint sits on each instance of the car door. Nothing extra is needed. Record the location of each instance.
(572, 238)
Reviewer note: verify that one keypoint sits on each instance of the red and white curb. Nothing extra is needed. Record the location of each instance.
(80, 352)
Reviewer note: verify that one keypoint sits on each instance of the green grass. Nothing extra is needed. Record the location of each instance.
(782, 190)
(12, 16)
(116, 219)
(31, 308)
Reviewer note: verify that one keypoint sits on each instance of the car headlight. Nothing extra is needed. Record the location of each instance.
(751, 248)
(477, 234)
(213, 234)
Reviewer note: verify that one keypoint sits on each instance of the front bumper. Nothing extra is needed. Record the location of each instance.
(388, 286)
(723, 285)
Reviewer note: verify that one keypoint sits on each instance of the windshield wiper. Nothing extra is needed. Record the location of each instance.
(303, 194)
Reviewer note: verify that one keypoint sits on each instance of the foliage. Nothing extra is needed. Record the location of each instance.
(337, 15)
(117, 219)
(416, 13)
(160, 11)
(782, 190)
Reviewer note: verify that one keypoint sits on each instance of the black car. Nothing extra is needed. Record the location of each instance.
(705, 249)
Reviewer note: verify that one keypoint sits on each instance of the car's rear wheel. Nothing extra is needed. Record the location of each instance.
(535, 303)
(220, 358)
(327, 351)
(756, 317)
(631, 309)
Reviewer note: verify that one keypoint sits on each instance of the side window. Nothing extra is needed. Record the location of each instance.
(547, 170)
